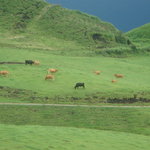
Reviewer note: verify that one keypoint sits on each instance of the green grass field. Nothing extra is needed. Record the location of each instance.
(131, 120)
(30, 85)
(56, 138)
(141, 37)
(44, 127)
(75, 43)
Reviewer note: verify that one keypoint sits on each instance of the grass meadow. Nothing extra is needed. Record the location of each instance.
(56, 138)
(131, 120)
(72, 69)
(75, 43)
(43, 127)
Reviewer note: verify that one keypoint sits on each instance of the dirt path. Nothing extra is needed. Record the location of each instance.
(71, 105)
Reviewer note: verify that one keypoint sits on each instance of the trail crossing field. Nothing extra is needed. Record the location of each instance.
(70, 105)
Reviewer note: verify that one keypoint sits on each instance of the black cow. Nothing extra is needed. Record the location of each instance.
(29, 62)
(79, 85)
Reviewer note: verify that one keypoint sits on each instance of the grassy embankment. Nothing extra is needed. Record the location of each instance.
(42, 127)
(56, 138)
(141, 37)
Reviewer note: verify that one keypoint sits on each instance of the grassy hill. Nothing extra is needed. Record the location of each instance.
(129, 120)
(142, 32)
(37, 30)
(50, 127)
(42, 137)
(140, 36)
(38, 24)
(69, 41)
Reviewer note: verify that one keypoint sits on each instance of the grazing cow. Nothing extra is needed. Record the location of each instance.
(4, 72)
(113, 81)
(79, 85)
(118, 75)
(97, 72)
(36, 62)
(49, 76)
(29, 62)
(52, 70)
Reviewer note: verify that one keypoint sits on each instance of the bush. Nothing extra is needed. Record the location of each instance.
(120, 38)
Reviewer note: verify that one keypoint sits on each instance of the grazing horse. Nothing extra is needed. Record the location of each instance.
(79, 85)
(29, 62)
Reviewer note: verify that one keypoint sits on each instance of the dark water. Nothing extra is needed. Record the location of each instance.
(124, 14)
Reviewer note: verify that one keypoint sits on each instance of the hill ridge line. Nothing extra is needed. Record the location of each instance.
(73, 105)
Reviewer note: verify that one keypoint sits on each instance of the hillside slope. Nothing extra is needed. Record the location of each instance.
(28, 137)
(140, 35)
(38, 24)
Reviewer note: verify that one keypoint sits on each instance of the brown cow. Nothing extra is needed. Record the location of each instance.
(118, 75)
(52, 70)
(49, 76)
(4, 72)
(113, 81)
(97, 72)
(36, 62)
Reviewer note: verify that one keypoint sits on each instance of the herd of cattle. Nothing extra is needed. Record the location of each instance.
(50, 73)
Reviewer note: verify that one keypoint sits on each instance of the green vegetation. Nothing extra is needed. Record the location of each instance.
(130, 120)
(141, 37)
(27, 82)
(75, 43)
(56, 138)
(44, 127)
(140, 33)
(37, 24)
(15, 15)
